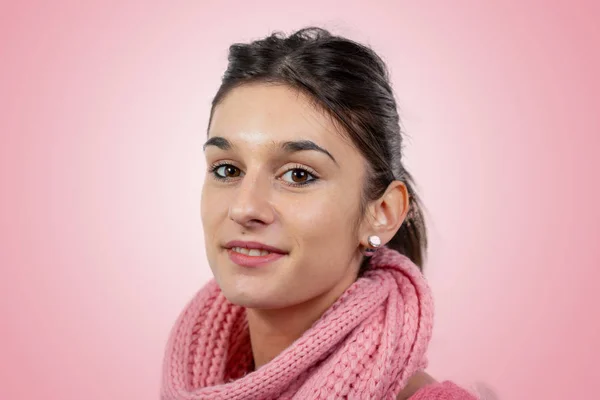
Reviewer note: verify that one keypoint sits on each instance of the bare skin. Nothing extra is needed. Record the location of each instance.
(304, 202)
(415, 383)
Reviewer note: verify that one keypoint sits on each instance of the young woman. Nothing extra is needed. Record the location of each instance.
(314, 234)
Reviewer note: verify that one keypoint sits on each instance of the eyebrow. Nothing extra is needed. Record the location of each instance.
(289, 146)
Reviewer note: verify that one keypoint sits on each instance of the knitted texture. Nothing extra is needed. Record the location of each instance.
(443, 391)
(365, 346)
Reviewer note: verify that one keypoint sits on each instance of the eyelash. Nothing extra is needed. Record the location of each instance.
(213, 171)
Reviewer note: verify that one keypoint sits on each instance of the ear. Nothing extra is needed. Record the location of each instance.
(386, 214)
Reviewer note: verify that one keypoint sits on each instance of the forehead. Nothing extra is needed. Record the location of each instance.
(260, 113)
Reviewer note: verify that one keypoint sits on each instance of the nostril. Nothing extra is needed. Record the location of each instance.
(252, 214)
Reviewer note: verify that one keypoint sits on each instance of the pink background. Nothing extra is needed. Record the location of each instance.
(103, 112)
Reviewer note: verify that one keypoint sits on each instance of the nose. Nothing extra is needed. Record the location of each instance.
(250, 206)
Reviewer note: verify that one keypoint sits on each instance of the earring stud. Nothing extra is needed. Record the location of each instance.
(374, 243)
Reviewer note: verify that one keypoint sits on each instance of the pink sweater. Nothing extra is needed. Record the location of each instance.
(365, 346)
(442, 391)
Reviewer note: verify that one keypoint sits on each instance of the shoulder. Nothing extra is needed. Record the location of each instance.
(421, 386)
(416, 382)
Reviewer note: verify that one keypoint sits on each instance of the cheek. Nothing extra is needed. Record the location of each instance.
(211, 213)
(212, 207)
(323, 218)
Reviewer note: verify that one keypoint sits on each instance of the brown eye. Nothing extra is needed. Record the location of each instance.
(227, 171)
(298, 176)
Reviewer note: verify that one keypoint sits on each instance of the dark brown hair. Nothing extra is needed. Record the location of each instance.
(351, 83)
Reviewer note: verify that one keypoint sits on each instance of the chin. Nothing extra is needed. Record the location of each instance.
(252, 297)
(249, 301)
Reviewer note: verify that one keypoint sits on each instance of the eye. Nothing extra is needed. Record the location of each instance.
(298, 176)
(225, 171)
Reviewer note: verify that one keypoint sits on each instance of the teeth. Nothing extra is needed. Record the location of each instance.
(250, 252)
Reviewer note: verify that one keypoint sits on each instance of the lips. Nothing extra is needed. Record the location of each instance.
(252, 254)
(248, 247)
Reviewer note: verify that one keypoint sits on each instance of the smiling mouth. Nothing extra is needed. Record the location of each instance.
(251, 252)
(245, 257)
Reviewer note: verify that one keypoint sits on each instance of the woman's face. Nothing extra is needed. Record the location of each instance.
(280, 174)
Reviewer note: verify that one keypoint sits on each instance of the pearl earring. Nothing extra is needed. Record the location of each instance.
(374, 243)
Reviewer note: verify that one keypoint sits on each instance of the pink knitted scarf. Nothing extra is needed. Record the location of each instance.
(365, 346)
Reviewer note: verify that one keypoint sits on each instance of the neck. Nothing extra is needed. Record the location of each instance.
(273, 330)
